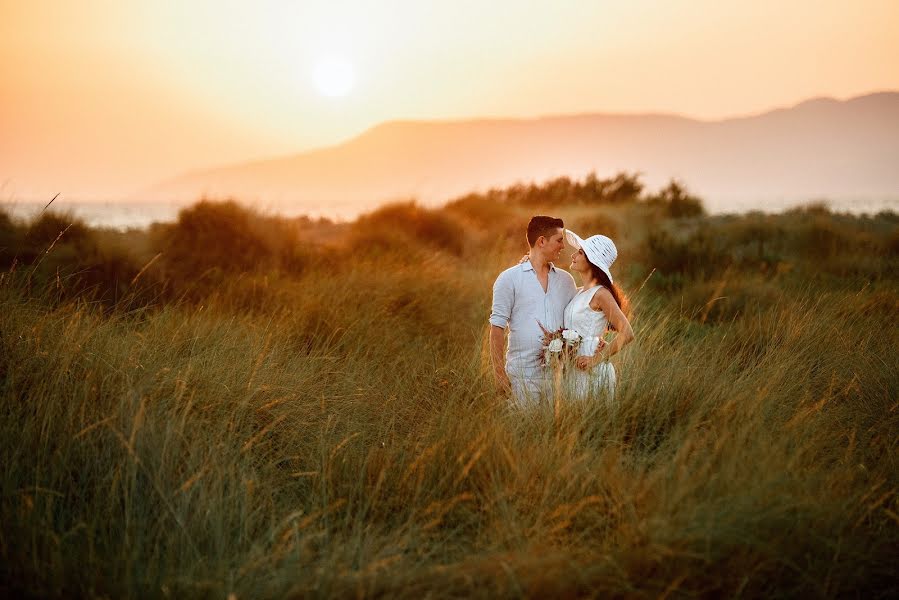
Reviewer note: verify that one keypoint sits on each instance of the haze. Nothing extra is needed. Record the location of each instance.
(101, 99)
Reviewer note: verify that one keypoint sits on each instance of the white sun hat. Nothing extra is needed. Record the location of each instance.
(599, 249)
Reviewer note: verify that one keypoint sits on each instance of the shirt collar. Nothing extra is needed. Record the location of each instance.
(527, 266)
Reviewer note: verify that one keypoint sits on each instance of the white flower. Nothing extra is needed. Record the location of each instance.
(571, 336)
(555, 345)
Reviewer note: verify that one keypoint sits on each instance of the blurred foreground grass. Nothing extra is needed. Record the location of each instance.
(277, 408)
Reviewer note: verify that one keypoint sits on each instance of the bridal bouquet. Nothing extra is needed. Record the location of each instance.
(559, 346)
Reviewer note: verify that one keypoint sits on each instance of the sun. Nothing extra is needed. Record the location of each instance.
(333, 76)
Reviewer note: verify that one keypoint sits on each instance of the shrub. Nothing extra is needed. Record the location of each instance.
(820, 238)
(696, 255)
(815, 208)
(10, 239)
(212, 235)
(403, 226)
(63, 258)
(598, 222)
(61, 228)
(892, 244)
(755, 241)
(622, 188)
(481, 211)
(213, 239)
(677, 202)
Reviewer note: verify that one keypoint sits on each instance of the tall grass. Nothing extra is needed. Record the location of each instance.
(333, 432)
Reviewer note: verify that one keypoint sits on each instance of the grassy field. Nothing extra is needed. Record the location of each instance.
(242, 404)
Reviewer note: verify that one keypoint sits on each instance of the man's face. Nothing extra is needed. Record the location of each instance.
(554, 244)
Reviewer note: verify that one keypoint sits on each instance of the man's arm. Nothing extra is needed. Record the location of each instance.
(500, 314)
(498, 359)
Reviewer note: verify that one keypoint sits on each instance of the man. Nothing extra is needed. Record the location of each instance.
(527, 296)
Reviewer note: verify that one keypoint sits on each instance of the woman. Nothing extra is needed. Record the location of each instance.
(598, 306)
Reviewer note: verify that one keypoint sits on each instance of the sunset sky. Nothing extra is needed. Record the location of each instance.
(99, 99)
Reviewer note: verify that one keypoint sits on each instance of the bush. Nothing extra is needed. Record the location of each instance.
(621, 188)
(405, 226)
(892, 244)
(52, 227)
(10, 239)
(213, 239)
(677, 202)
(212, 235)
(755, 241)
(481, 211)
(696, 255)
(597, 223)
(821, 239)
(63, 258)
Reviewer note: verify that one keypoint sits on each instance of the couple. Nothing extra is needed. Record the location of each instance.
(534, 297)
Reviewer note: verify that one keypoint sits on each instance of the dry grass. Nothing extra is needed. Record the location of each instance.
(333, 433)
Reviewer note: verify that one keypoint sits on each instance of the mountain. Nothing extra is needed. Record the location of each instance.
(820, 148)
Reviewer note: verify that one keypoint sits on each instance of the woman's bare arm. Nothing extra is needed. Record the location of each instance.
(604, 301)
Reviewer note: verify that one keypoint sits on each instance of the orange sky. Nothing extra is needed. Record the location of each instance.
(99, 99)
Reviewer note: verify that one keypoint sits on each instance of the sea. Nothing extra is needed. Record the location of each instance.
(124, 215)
(138, 215)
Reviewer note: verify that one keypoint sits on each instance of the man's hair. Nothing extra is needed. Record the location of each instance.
(541, 225)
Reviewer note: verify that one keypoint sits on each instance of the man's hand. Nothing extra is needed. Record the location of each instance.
(503, 385)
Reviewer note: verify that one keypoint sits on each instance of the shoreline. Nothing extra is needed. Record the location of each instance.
(140, 215)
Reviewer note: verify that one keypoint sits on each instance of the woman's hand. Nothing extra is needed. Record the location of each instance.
(585, 363)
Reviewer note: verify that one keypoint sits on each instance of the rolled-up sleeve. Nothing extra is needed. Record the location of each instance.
(503, 297)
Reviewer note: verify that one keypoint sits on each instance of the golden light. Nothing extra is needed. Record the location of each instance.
(333, 76)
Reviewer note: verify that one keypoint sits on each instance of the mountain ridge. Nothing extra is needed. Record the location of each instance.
(818, 147)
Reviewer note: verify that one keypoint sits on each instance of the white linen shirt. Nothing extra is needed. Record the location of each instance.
(520, 303)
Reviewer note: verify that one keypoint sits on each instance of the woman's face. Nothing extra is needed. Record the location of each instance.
(579, 261)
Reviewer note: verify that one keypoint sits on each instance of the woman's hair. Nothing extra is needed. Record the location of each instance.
(617, 293)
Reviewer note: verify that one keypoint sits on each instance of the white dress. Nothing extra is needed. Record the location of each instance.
(599, 382)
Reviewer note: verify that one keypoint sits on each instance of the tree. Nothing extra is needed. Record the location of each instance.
(678, 203)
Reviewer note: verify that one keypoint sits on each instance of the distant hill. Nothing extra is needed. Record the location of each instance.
(821, 148)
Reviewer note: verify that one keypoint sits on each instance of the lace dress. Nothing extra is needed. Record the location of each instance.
(591, 325)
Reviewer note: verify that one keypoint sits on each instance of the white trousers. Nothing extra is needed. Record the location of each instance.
(530, 391)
